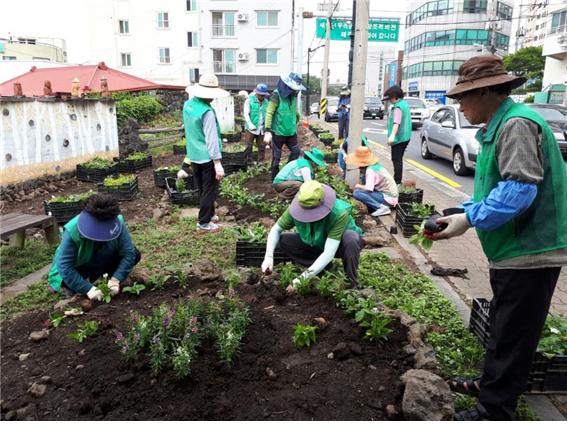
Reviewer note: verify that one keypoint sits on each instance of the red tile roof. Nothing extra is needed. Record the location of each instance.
(89, 77)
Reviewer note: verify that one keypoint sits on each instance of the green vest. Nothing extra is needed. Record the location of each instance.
(543, 226)
(84, 251)
(404, 130)
(288, 172)
(196, 145)
(315, 234)
(284, 122)
(255, 109)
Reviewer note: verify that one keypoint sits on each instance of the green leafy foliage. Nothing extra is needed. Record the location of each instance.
(103, 287)
(38, 297)
(98, 163)
(141, 108)
(171, 168)
(66, 199)
(420, 239)
(304, 286)
(55, 319)
(234, 147)
(421, 210)
(326, 136)
(180, 185)
(528, 61)
(287, 272)
(232, 279)
(138, 156)
(19, 262)
(136, 288)
(254, 232)
(120, 180)
(158, 282)
(85, 330)
(304, 335)
(553, 341)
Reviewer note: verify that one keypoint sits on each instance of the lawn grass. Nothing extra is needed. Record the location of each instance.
(16, 263)
(37, 297)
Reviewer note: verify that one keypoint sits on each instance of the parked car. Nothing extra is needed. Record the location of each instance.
(332, 114)
(373, 107)
(556, 117)
(419, 111)
(314, 108)
(449, 135)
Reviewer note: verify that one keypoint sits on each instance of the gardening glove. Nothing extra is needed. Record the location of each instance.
(268, 138)
(95, 294)
(268, 265)
(114, 286)
(182, 174)
(219, 170)
(457, 224)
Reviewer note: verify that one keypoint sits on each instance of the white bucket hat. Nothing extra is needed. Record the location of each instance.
(207, 87)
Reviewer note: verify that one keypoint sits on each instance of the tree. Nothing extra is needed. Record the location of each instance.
(528, 62)
(314, 85)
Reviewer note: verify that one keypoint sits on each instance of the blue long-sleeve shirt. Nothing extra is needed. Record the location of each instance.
(105, 259)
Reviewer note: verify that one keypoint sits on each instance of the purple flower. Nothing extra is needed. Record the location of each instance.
(194, 329)
(119, 336)
(193, 321)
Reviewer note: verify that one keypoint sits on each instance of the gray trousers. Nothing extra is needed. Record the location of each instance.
(287, 189)
(349, 252)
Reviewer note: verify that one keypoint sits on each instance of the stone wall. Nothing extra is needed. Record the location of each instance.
(171, 100)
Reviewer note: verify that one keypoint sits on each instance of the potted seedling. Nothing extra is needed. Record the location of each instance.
(180, 148)
(64, 208)
(327, 138)
(408, 193)
(232, 136)
(410, 215)
(181, 191)
(236, 153)
(96, 169)
(251, 246)
(331, 157)
(134, 162)
(161, 173)
(123, 186)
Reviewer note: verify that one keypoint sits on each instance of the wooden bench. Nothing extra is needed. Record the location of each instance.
(14, 225)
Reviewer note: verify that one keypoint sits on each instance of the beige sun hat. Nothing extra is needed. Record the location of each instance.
(207, 87)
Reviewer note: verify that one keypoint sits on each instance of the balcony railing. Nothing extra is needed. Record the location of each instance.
(224, 67)
(558, 30)
(223, 30)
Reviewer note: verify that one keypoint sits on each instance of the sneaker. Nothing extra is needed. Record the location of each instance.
(215, 218)
(209, 227)
(382, 210)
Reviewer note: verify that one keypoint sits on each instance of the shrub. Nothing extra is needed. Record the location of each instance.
(140, 108)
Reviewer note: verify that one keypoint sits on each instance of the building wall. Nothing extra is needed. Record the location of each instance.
(532, 29)
(555, 49)
(45, 136)
(33, 49)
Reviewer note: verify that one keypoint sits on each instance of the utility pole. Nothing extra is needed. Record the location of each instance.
(325, 76)
(299, 50)
(358, 80)
(351, 51)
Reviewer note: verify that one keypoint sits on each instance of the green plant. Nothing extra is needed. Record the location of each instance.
(326, 136)
(136, 288)
(378, 328)
(138, 156)
(67, 199)
(84, 330)
(234, 147)
(421, 210)
(98, 163)
(141, 108)
(419, 238)
(181, 142)
(252, 233)
(287, 272)
(329, 283)
(304, 335)
(407, 189)
(120, 180)
(171, 169)
(157, 282)
(553, 341)
(232, 279)
(304, 286)
(18, 262)
(180, 185)
(103, 287)
(55, 319)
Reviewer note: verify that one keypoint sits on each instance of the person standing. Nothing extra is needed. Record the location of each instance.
(282, 118)
(399, 128)
(344, 113)
(519, 211)
(255, 108)
(204, 145)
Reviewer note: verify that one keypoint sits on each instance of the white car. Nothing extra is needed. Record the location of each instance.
(432, 104)
(419, 111)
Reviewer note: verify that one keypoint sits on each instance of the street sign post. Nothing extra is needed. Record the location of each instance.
(379, 30)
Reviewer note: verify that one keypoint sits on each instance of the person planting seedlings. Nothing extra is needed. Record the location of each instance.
(343, 152)
(94, 243)
(377, 188)
(325, 229)
(519, 210)
(297, 172)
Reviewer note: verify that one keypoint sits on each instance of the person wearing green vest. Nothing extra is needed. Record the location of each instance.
(325, 230)
(519, 210)
(204, 146)
(255, 108)
(399, 128)
(377, 188)
(297, 172)
(282, 118)
(94, 243)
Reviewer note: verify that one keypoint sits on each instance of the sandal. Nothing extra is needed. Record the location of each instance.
(470, 387)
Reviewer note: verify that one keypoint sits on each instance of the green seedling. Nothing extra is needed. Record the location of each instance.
(420, 239)
(304, 286)
(553, 341)
(157, 282)
(304, 335)
(84, 330)
(55, 319)
(378, 330)
(98, 163)
(138, 156)
(136, 288)
(421, 210)
(234, 148)
(79, 197)
(103, 287)
(121, 180)
(253, 233)
(287, 272)
(172, 169)
(232, 279)
(180, 185)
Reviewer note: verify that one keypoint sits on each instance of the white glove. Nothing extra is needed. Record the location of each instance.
(391, 140)
(95, 294)
(219, 170)
(457, 224)
(268, 138)
(268, 265)
(182, 174)
(114, 286)
(295, 282)
(251, 127)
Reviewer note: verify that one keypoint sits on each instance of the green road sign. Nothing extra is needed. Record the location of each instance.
(378, 29)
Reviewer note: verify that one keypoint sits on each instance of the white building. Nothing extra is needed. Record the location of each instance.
(533, 19)
(442, 34)
(555, 48)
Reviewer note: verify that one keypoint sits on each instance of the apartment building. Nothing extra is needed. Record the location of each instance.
(532, 23)
(555, 52)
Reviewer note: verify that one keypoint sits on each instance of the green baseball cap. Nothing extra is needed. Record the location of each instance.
(317, 156)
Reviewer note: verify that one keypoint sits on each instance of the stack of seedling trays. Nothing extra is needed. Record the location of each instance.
(188, 196)
(236, 161)
(547, 376)
(326, 138)
(251, 254)
(64, 208)
(406, 220)
(180, 149)
(135, 162)
(123, 187)
(160, 174)
(96, 170)
(408, 198)
(331, 157)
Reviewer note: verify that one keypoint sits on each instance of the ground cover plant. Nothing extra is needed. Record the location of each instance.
(85, 330)
(136, 288)
(254, 232)
(98, 163)
(304, 335)
(67, 199)
(553, 341)
(19, 262)
(137, 156)
(120, 180)
(170, 168)
(234, 147)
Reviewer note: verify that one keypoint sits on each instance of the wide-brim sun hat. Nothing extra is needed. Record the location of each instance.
(483, 71)
(207, 88)
(97, 230)
(313, 202)
(262, 90)
(317, 156)
(361, 157)
(294, 81)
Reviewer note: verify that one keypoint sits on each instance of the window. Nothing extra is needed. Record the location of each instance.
(191, 5)
(164, 55)
(39, 58)
(8, 58)
(559, 21)
(267, 56)
(438, 116)
(267, 18)
(501, 41)
(123, 26)
(193, 75)
(163, 20)
(446, 38)
(192, 39)
(504, 11)
(223, 24)
(474, 6)
(433, 8)
(431, 69)
(224, 60)
(125, 59)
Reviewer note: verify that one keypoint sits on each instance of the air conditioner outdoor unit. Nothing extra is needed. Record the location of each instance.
(243, 56)
(562, 40)
(242, 17)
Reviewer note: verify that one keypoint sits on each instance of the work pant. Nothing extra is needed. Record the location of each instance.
(250, 138)
(301, 253)
(520, 303)
(98, 266)
(204, 176)
(398, 150)
(277, 144)
(343, 126)
(372, 200)
(287, 189)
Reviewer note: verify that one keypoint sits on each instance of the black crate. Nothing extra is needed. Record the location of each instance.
(252, 254)
(63, 212)
(547, 376)
(96, 175)
(179, 149)
(233, 168)
(406, 221)
(408, 198)
(331, 157)
(189, 197)
(161, 175)
(237, 158)
(130, 166)
(327, 142)
(232, 137)
(125, 192)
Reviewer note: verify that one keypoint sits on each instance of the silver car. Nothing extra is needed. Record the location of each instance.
(449, 135)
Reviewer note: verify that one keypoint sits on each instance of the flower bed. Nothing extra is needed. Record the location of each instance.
(134, 162)
(64, 208)
(160, 174)
(123, 187)
(409, 215)
(181, 191)
(96, 169)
